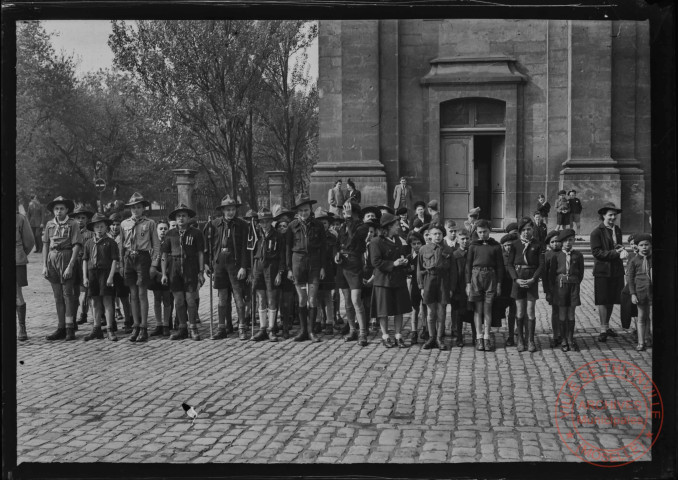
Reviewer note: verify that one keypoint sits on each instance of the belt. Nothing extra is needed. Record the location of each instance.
(58, 247)
(525, 267)
(133, 253)
(484, 269)
(562, 278)
(351, 254)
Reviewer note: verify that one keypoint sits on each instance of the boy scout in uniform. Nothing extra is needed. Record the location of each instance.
(505, 300)
(182, 269)
(306, 254)
(140, 246)
(640, 286)
(553, 246)
(227, 251)
(328, 284)
(282, 218)
(24, 244)
(61, 245)
(268, 271)
(460, 302)
(484, 272)
(415, 240)
(81, 215)
(121, 290)
(99, 264)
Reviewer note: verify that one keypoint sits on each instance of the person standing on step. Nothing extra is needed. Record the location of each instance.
(228, 255)
(99, 264)
(553, 246)
(268, 271)
(402, 195)
(575, 212)
(526, 265)
(162, 296)
(608, 267)
(352, 193)
(336, 197)
(306, 245)
(563, 211)
(182, 266)
(24, 243)
(540, 229)
(566, 273)
(140, 246)
(62, 243)
(81, 215)
(544, 208)
(640, 286)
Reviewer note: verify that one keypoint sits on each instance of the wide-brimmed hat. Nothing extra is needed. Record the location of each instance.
(302, 199)
(321, 214)
(181, 208)
(474, 211)
(387, 208)
(419, 203)
(387, 219)
(265, 214)
(81, 210)
(401, 211)
(567, 233)
(511, 226)
(642, 237)
(137, 198)
(373, 209)
(433, 204)
(278, 212)
(228, 201)
(609, 206)
(251, 214)
(64, 201)
(550, 235)
(98, 217)
(524, 222)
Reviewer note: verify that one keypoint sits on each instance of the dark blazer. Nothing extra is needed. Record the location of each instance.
(535, 258)
(558, 263)
(355, 196)
(237, 242)
(437, 262)
(459, 290)
(314, 243)
(396, 196)
(383, 253)
(607, 262)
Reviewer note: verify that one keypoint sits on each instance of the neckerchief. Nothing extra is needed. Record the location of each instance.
(61, 227)
(646, 266)
(182, 233)
(526, 245)
(568, 254)
(95, 252)
(136, 221)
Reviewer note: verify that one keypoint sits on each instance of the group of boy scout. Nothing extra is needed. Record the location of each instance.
(399, 264)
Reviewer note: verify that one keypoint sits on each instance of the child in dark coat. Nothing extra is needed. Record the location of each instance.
(460, 303)
(415, 240)
(640, 286)
(501, 303)
(553, 246)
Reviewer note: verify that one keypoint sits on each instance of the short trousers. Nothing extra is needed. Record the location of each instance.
(264, 276)
(415, 295)
(57, 261)
(434, 290)
(352, 267)
(97, 283)
(567, 295)
(226, 276)
(137, 269)
(306, 268)
(156, 283)
(563, 218)
(121, 290)
(607, 290)
(21, 276)
(183, 279)
(520, 293)
(483, 284)
(575, 217)
(644, 294)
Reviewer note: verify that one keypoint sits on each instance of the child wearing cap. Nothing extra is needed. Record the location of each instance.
(327, 284)
(460, 302)
(553, 246)
(100, 262)
(504, 301)
(286, 292)
(525, 265)
(436, 277)
(162, 296)
(563, 210)
(415, 240)
(182, 269)
(484, 272)
(566, 273)
(640, 286)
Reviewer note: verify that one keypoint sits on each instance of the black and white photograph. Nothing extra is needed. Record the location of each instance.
(342, 241)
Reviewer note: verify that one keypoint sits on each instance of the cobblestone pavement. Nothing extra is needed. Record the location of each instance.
(329, 402)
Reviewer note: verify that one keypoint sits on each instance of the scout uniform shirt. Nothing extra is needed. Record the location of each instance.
(485, 254)
(640, 278)
(184, 247)
(100, 253)
(437, 269)
(566, 268)
(226, 239)
(526, 260)
(352, 237)
(306, 238)
(140, 235)
(270, 249)
(62, 235)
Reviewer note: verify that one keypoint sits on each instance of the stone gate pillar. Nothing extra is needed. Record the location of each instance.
(185, 182)
(276, 186)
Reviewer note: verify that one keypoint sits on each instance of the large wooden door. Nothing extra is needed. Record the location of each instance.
(456, 161)
(498, 176)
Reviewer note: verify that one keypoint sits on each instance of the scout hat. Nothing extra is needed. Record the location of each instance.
(511, 226)
(419, 203)
(562, 192)
(387, 208)
(251, 214)
(643, 236)
(551, 234)
(474, 211)
(302, 199)
(567, 233)
(81, 210)
(137, 198)
(509, 237)
(372, 209)
(401, 211)
(321, 214)
(227, 201)
(64, 201)
(116, 217)
(278, 212)
(524, 222)
(97, 218)
(387, 219)
(433, 204)
(181, 208)
(265, 214)
(609, 206)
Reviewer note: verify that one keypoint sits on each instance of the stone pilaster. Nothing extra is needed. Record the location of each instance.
(185, 182)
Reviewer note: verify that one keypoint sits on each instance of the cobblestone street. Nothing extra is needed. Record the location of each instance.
(329, 402)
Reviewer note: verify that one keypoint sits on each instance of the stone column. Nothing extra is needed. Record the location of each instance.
(276, 186)
(590, 168)
(349, 110)
(185, 182)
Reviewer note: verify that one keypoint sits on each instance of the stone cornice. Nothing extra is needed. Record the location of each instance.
(473, 70)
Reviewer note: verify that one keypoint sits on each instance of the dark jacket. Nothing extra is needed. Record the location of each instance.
(543, 209)
(575, 205)
(558, 265)
(236, 242)
(459, 290)
(383, 253)
(534, 255)
(546, 279)
(437, 261)
(270, 249)
(607, 262)
(313, 242)
(640, 281)
(352, 236)
(485, 255)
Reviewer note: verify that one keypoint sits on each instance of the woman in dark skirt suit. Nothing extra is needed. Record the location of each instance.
(390, 297)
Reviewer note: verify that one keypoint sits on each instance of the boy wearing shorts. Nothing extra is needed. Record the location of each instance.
(24, 244)
(415, 240)
(640, 286)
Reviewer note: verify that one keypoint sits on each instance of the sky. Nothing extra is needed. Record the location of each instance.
(87, 41)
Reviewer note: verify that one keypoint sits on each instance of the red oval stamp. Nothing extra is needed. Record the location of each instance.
(605, 411)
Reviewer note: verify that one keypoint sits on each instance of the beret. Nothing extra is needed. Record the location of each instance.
(524, 222)
(401, 211)
(509, 237)
(643, 236)
(511, 226)
(551, 234)
(565, 234)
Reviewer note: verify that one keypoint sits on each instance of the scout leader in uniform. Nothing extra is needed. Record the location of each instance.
(306, 256)
(436, 277)
(61, 245)
(121, 290)
(140, 247)
(226, 259)
(24, 244)
(99, 264)
(268, 271)
(81, 215)
(526, 265)
(182, 269)
(566, 272)
(350, 255)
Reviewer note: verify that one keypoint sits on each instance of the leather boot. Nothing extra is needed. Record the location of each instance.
(220, 333)
(272, 326)
(96, 333)
(570, 336)
(312, 314)
(362, 338)
(112, 336)
(261, 335)
(165, 331)
(135, 334)
(181, 333)
(195, 334)
(510, 342)
(414, 338)
(156, 332)
(303, 330)
(351, 337)
(143, 335)
(242, 332)
(345, 329)
(531, 323)
(59, 334)
(82, 319)
(430, 343)
(285, 327)
(441, 344)
(555, 328)
(128, 325)
(21, 312)
(70, 333)
(521, 340)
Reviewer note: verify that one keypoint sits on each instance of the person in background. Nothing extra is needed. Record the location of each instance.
(563, 211)
(575, 212)
(81, 215)
(36, 213)
(282, 218)
(352, 193)
(470, 222)
(553, 246)
(402, 195)
(24, 243)
(415, 240)
(336, 197)
(432, 207)
(460, 302)
(640, 286)
(421, 216)
(404, 222)
(328, 284)
(544, 208)
(540, 229)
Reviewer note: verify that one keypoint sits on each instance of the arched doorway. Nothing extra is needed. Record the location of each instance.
(472, 158)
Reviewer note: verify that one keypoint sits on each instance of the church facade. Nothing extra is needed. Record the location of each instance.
(488, 113)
